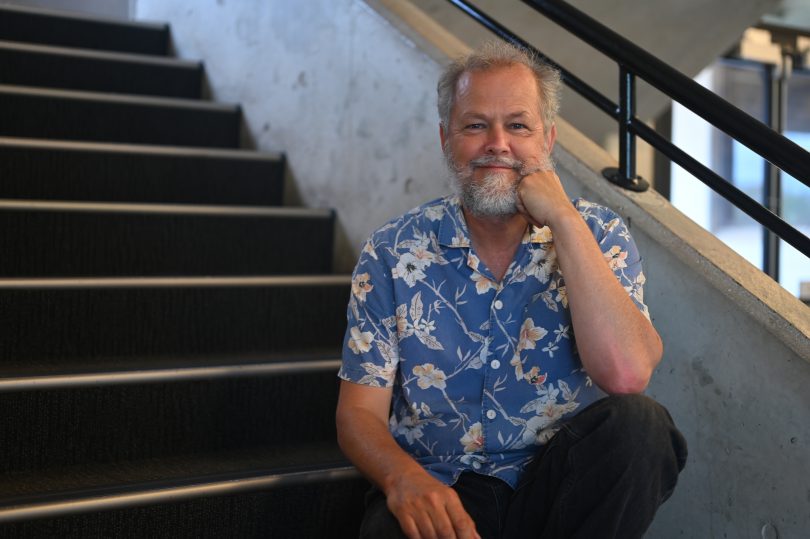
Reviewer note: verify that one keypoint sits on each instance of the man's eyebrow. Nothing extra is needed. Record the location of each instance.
(472, 114)
(519, 114)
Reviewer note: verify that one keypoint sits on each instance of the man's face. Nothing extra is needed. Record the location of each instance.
(495, 137)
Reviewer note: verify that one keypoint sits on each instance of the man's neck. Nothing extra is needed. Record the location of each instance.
(495, 240)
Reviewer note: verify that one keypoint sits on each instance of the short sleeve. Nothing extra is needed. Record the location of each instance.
(370, 346)
(622, 255)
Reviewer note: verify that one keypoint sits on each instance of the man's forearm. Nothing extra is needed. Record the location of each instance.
(368, 444)
(618, 346)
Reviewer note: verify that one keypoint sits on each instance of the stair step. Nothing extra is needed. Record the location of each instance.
(34, 25)
(58, 239)
(95, 319)
(77, 115)
(56, 374)
(119, 423)
(66, 170)
(25, 64)
(300, 490)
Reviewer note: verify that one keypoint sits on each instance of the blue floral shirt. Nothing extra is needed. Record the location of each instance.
(482, 372)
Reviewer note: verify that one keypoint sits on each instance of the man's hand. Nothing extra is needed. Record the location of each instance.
(428, 509)
(541, 198)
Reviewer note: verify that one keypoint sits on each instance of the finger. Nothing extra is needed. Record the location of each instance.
(462, 522)
(409, 528)
(441, 522)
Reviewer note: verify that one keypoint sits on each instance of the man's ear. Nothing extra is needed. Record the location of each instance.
(551, 138)
(442, 135)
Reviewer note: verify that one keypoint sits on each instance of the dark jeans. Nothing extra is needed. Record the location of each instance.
(604, 474)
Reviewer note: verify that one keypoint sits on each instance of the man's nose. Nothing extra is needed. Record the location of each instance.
(497, 141)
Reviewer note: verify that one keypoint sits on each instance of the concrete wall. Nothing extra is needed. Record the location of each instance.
(330, 83)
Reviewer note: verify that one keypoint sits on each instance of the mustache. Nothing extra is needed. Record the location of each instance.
(488, 160)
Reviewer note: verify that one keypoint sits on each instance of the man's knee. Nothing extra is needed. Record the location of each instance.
(645, 429)
(633, 425)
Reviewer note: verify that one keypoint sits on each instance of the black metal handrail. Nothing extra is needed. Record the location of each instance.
(634, 61)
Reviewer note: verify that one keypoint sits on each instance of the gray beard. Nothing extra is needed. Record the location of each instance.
(495, 196)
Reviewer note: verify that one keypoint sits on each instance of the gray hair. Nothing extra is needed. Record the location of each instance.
(498, 53)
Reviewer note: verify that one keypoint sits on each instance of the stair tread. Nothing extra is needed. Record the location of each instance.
(145, 149)
(84, 283)
(69, 206)
(90, 480)
(39, 25)
(129, 57)
(75, 16)
(84, 95)
(34, 374)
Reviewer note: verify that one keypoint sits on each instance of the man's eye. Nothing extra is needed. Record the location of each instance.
(475, 126)
(517, 126)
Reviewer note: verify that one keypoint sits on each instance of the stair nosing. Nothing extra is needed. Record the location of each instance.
(146, 25)
(162, 209)
(174, 282)
(126, 99)
(163, 375)
(144, 149)
(150, 496)
(99, 55)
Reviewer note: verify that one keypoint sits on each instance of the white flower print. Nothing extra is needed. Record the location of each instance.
(541, 235)
(430, 376)
(542, 264)
(473, 439)
(530, 334)
(408, 269)
(483, 284)
(361, 285)
(562, 296)
(369, 249)
(616, 257)
(422, 257)
(360, 342)
(434, 213)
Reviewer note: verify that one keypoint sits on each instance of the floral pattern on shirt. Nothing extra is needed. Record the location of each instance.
(482, 372)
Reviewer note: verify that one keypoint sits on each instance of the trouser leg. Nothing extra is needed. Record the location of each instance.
(603, 475)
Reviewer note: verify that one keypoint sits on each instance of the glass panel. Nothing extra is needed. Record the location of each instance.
(794, 267)
(742, 85)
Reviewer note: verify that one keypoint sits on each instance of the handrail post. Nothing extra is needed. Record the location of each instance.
(625, 176)
(627, 109)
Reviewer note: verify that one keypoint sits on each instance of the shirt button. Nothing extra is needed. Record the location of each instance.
(495, 364)
(491, 414)
(476, 465)
(498, 304)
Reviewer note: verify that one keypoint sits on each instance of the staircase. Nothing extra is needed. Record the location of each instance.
(169, 335)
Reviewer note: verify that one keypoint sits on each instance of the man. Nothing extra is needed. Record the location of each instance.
(481, 326)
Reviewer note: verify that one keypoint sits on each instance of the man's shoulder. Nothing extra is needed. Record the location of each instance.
(592, 210)
(423, 218)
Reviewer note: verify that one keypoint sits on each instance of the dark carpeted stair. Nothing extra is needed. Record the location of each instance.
(170, 335)
(61, 170)
(24, 64)
(92, 239)
(80, 115)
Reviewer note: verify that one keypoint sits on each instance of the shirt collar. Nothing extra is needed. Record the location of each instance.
(453, 230)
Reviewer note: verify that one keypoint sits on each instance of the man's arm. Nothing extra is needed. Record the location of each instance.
(618, 346)
(424, 506)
